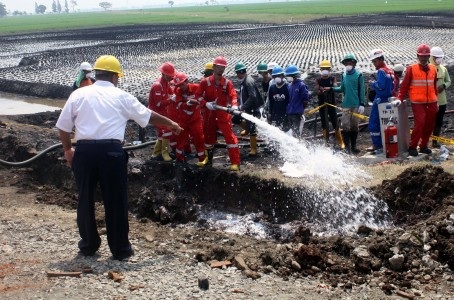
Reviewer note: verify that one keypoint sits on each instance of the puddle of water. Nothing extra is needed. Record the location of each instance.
(12, 104)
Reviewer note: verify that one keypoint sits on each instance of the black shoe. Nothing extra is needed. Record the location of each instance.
(355, 151)
(87, 253)
(425, 150)
(435, 144)
(124, 256)
(412, 152)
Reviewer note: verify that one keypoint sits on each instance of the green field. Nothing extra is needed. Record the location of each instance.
(282, 12)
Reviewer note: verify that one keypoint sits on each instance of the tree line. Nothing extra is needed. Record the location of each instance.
(56, 8)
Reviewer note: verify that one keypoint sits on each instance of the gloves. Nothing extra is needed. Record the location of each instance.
(396, 103)
(210, 106)
(361, 109)
(235, 107)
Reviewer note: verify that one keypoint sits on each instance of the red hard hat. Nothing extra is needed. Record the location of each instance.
(423, 49)
(168, 69)
(179, 78)
(220, 61)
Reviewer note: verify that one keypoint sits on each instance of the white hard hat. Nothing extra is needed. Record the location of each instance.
(85, 66)
(399, 68)
(376, 53)
(271, 65)
(437, 52)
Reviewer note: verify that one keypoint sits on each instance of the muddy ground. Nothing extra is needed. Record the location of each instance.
(413, 259)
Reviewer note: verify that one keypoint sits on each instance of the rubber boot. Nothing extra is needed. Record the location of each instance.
(339, 139)
(157, 149)
(235, 168)
(346, 135)
(253, 143)
(244, 126)
(203, 160)
(209, 154)
(353, 137)
(435, 143)
(165, 150)
(325, 135)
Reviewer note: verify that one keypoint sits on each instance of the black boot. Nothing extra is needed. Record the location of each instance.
(353, 137)
(435, 143)
(209, 154)
(346, 135)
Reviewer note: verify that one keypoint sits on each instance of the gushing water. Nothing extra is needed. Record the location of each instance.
(328, 199)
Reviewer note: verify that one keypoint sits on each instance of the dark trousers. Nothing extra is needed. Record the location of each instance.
(105, 163)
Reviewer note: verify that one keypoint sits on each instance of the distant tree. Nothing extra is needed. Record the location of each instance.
(66, 6)
(41, 9)
(171, 3)
(19, 13)
(54, 6)
(58, 6)
(36, 8)
(3, 11)
(106, 5)
(73, 5)
(207, 2)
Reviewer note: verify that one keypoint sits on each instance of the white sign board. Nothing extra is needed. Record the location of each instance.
(400, 119)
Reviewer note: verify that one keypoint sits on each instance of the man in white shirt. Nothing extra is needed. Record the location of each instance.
(99, 114)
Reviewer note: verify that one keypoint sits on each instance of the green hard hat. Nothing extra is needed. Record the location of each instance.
(262, 67)
(349, 56)
(240, 66)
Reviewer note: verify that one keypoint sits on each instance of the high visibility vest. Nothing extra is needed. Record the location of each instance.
(422, 85)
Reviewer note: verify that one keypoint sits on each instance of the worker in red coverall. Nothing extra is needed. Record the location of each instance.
(160, 97)
(189, 118)
(420, 85)
(216, 89)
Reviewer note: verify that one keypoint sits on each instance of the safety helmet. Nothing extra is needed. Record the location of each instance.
(167, 68)
(220, 61)
(85, 66)
(399, 68)
(240, 66)
(209, 66)
(437, 52)
(325, 64)
(291, 70)
(277, 70)
(179, 78)
(271, 65)
(423, 50)
(262, 67)
(376, 53)
(108, 63)
(349, 57)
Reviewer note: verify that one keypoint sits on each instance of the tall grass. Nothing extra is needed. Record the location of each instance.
(280, 12)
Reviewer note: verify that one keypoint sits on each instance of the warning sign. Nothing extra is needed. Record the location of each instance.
(399, 116)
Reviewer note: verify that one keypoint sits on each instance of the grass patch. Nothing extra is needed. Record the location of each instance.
(282, 12)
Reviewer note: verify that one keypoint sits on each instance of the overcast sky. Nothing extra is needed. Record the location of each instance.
(29, 5)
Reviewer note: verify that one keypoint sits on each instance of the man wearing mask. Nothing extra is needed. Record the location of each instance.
(324, 87)
(383, 87)
(250, 101)
(420, 85)
(443, 82)
(266, 86)
(84, 76)
(299, 96)
(278, 99)
(352, 86)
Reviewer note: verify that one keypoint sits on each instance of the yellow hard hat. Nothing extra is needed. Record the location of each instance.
(108, 63)
(325, 64)
(209, 66)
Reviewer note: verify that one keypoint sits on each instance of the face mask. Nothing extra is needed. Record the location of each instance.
(89, 75)
(438, 60)
(278, 80)
(348, 68)
(325, 72)
(289, 79)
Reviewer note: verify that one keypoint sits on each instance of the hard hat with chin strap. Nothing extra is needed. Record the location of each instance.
(108, 63)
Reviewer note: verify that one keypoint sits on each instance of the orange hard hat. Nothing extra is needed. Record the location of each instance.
(220, 61)
(424, 50)
(168, 69)
(179, 78)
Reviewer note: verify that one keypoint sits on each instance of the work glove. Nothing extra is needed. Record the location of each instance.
(361, 109)
(210, 106)
(396, 103)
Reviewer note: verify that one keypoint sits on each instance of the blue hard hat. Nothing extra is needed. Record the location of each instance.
(277, 70)
(291, 70)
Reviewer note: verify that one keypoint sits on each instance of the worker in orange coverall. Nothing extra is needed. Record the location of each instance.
(160, 97)
(216, 89)
(189, 118)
